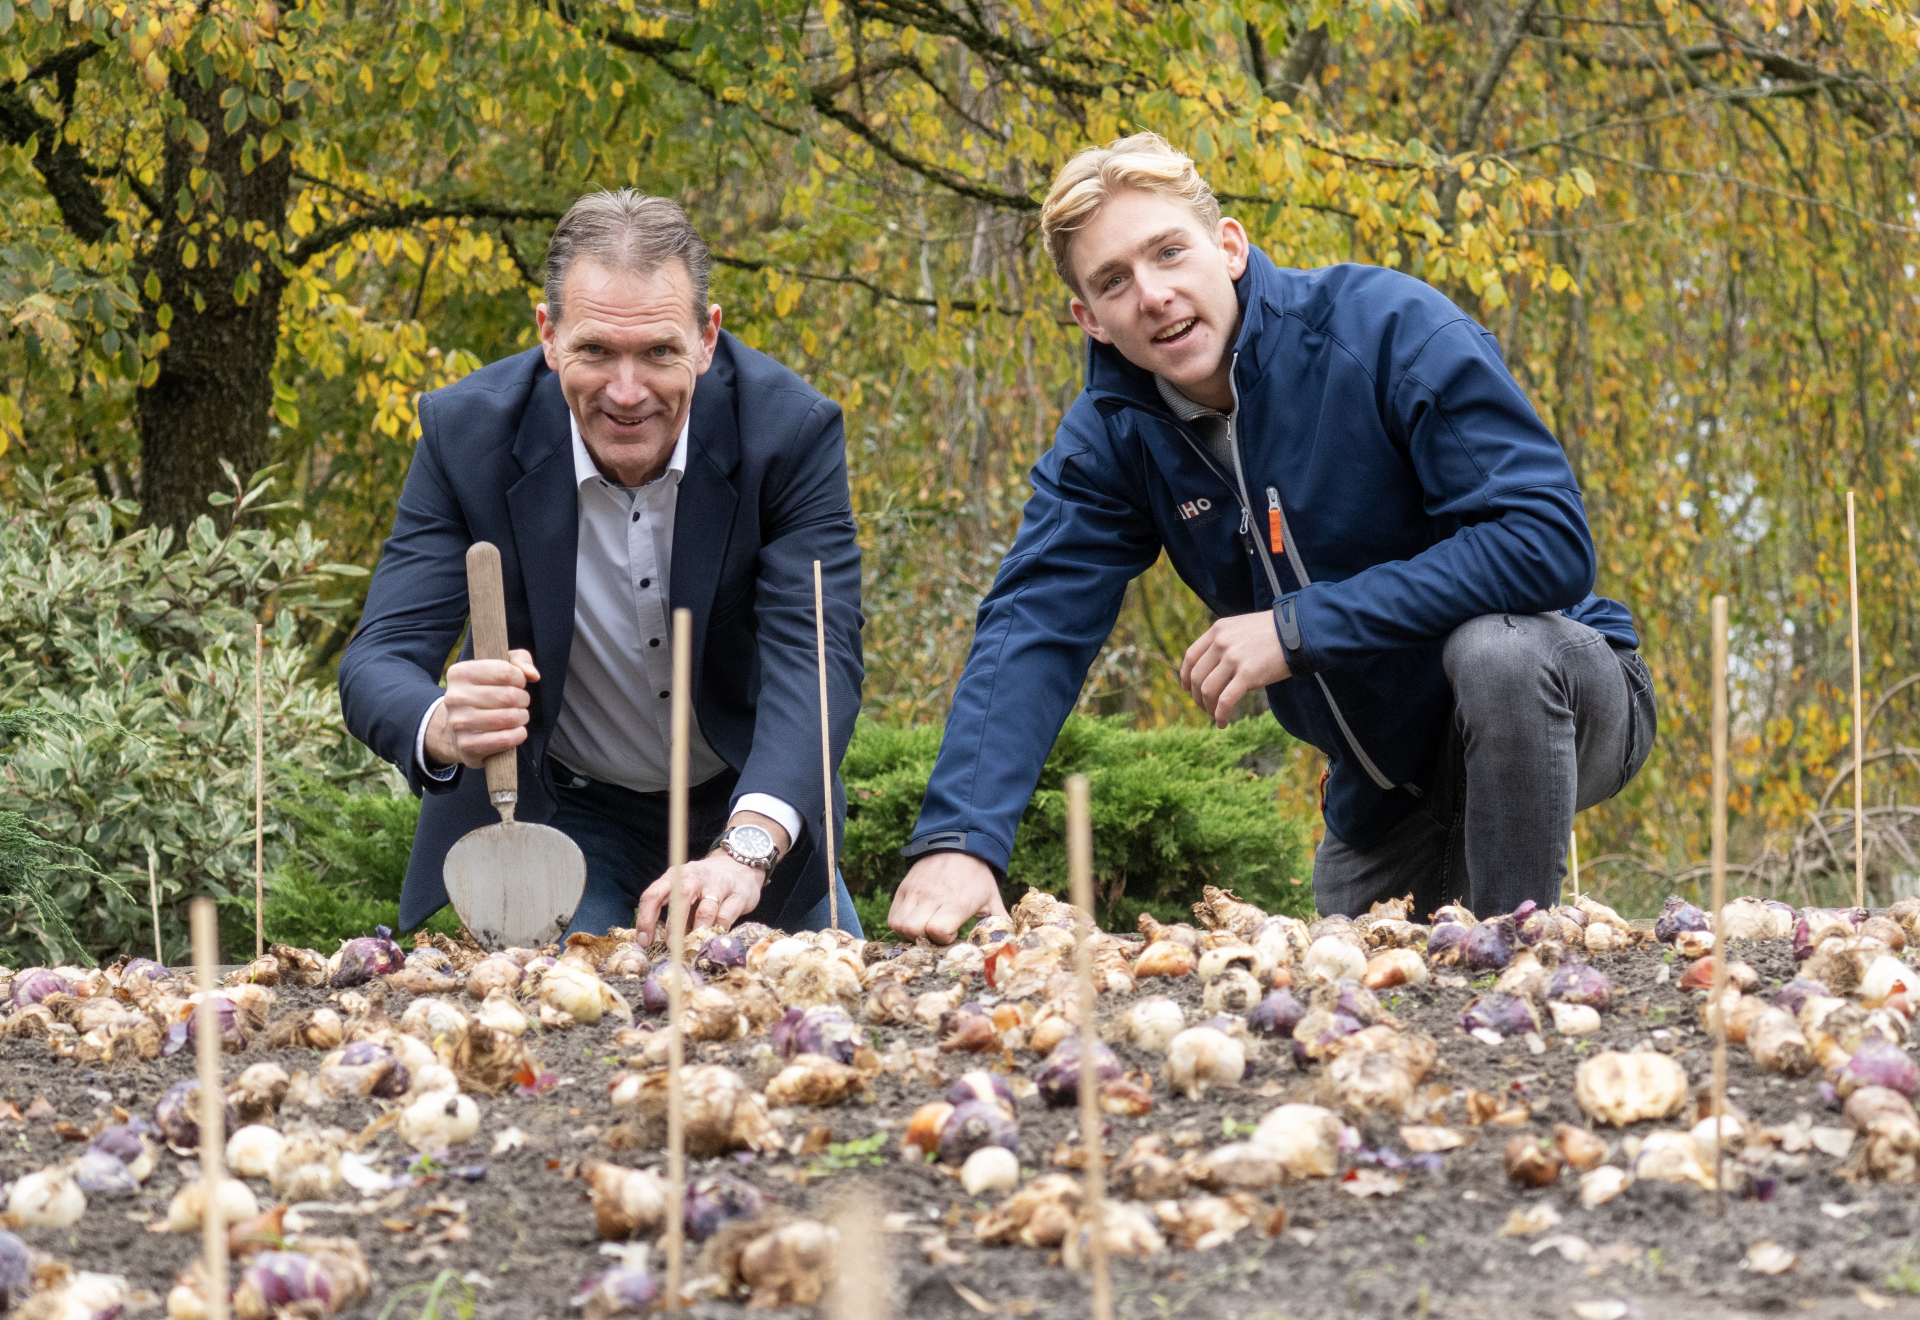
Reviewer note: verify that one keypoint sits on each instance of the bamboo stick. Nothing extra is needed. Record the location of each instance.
(826, 748)
(676, 951)
(1719, 896)
(863, 1267)
(1859, 734)
(1573, 845)
(259, 801)
(153, 903)
(1080, 868)
(213, 1106)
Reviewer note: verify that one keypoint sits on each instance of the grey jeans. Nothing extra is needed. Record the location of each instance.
(1549, 718)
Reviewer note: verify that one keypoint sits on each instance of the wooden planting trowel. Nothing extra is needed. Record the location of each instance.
(513, 884)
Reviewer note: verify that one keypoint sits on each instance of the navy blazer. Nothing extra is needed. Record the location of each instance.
(763, 496)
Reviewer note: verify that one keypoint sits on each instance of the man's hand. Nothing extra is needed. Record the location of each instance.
(719, 892)
(941, 893)
(1231, 659)
(485, 711)
(719, 889)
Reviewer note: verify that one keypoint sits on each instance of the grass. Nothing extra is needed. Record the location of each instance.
(438, 1291)
(864, 1153)
(1904, 1277)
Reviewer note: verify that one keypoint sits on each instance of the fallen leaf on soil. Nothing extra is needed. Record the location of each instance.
(938, 1252)
(1019, 1306)
(39, 1108)
(1769, 1258)
(1570, 1248)
(1602, 1310)
(1533, 1219)
(1428, 1140)
(10, 1112)
(1874, 1300)
(1371, 1182)
(528, 1082)
(509, 1139)
(1618, 1252)
(1832, 1141)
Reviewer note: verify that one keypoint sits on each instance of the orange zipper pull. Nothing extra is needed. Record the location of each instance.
(1276, 537)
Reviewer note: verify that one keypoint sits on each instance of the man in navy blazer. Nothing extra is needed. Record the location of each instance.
(639, 461)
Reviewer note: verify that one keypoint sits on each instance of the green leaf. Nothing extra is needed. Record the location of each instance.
(236, 116)
(6, 17)
(219, 497)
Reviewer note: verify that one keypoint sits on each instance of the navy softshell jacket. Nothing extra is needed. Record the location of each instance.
(1416, 489)
(763, 496)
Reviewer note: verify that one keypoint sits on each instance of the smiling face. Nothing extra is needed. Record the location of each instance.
(1158, 286)
(628, 349)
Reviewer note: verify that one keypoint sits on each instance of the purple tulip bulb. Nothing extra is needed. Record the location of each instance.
(147, 967)
(981, 1085)
(393, 1078)
(977, 1123)
(1276, 1015)
(99, 1174)
(177, 1116)
(1797, 992)
(717, 1200)
(653, 992)
(1510, 1015)
(1676, 916)
(36, 984)
(1538, 927)
(366, 956)
(1489, 946)
(720, 955)
(16, 1271)
(618, 1292)
(126, 1142)
(1446, 943)
(1575, 981)
(282, 1280)
(1878, 1062)
(1059, 1078)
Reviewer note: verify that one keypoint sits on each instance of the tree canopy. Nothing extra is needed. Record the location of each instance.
(251, 234)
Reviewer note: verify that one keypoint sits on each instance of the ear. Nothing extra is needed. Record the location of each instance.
(1235, 243)
(1088, 321)
(709, 338)
(549, 336)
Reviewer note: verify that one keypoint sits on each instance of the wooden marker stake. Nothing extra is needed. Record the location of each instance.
(259, 802)
(863, 1268)
(153, 902)
(1573, 851)
(1859, 734)
(1719, 868)
(826, 748)
(676, 953)
(1080, 868)
(213, 1106)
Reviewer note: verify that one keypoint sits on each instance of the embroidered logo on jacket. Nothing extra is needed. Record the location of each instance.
(1198, 511)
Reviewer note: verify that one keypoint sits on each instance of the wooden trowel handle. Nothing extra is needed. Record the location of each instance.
(487, 600)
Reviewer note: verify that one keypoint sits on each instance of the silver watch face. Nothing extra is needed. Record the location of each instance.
(750, 843)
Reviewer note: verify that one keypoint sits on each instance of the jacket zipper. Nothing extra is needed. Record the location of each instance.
(1299, 568)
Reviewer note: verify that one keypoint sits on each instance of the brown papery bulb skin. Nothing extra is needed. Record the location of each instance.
(1531, 1163)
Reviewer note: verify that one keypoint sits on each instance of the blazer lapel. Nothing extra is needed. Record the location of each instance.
(703, 517)
(544, 506)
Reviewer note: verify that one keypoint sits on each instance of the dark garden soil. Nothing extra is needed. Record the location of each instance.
(517, 1231)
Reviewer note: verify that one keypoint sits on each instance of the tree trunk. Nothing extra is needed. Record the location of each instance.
(212, 398)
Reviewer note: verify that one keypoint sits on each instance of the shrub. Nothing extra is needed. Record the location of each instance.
(140, 653)
(1173, 810)
(346, 864)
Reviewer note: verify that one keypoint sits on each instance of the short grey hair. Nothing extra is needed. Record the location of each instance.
(628, 232)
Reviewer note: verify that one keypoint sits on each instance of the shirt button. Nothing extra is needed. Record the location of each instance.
(645, 583)
(636, 517)
(653, 641)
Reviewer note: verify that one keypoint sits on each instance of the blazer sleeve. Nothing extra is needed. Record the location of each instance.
(808, 516)
(1052, 606)
(416, 612)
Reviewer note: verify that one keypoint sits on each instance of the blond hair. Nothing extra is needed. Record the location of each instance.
(1145, 162)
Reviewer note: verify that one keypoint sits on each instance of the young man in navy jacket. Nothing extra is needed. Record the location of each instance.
(1341, 466)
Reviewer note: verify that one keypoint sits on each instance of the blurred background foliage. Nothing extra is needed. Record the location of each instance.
(244, 234)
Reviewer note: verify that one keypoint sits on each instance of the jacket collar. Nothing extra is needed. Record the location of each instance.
(1114, 383)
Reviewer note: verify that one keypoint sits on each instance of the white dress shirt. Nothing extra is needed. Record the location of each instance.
(615, 723)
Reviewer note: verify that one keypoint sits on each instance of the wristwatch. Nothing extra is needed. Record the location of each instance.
(749, 845)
